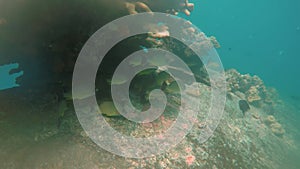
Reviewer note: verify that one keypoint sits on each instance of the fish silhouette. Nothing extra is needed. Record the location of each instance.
(244, 106)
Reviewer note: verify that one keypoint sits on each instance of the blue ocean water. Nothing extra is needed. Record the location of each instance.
(7, 79)
(261, 38)
(256, 37)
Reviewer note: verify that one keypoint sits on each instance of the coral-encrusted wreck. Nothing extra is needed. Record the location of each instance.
(45, 38)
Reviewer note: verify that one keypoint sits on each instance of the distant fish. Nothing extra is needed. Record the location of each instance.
(280, 53)
(244, 106)
(297, 98)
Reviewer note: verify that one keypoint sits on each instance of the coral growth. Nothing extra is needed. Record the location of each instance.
(253, 87)
(158, 31)
(253, 94)
(190, 159)
(275, 127)
(136, 7)
(172, 7)
(270, 120)
(205, 42)
(214, 41)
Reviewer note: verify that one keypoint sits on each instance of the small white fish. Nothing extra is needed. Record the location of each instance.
(144, 49)
(280, 53)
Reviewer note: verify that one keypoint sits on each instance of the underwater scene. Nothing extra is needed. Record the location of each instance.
(166, 84)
